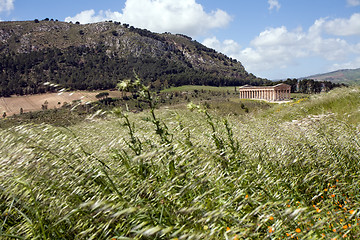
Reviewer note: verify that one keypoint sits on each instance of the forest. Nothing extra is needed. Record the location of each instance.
(83, 68)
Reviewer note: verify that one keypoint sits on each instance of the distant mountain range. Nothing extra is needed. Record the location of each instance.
(98, 55)
(347, 76)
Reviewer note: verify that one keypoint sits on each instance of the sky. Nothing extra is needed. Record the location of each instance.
(273, 39)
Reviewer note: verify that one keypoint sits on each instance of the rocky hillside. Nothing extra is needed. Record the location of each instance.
(98, 55)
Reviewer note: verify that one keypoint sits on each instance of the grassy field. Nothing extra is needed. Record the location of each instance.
(280, 172)
(201, 88)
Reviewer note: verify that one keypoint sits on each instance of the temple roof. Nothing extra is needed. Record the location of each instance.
(278, 86)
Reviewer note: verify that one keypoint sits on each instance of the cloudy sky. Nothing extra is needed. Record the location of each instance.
(272, 38)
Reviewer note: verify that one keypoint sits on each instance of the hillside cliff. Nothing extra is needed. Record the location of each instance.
(98, 55)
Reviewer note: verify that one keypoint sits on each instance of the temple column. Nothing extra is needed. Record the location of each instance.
(273, 95)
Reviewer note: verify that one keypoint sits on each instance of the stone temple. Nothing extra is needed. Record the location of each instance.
(279, 92)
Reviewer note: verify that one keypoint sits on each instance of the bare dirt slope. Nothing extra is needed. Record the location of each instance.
(33, 103)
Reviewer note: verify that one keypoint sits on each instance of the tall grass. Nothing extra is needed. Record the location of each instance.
(343, 102)
(181, 174)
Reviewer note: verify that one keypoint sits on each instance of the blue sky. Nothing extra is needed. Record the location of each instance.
(272, 38)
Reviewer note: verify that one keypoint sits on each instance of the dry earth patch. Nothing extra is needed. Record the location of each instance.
(32, 103)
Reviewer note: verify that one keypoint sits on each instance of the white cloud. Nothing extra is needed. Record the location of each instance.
(6, 5)
(281, 48)
(347, 65)
(274, 4)
(344, 27)
(87, 16)
(186, 16)
(228, 46)
(353, 3)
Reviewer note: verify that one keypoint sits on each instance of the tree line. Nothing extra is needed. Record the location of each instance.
(309, 86)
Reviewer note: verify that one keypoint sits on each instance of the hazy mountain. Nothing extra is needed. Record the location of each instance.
(347, 76)
(98, 55)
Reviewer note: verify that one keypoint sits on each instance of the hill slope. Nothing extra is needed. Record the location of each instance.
(96, 56)
(347, 76)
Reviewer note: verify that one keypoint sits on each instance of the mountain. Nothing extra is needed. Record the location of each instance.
(98, 55)
(347, 76)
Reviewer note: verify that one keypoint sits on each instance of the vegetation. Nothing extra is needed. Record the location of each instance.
(88, 69)
(95, 56)
(310, 86)
(224, 98)
(290, 171)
